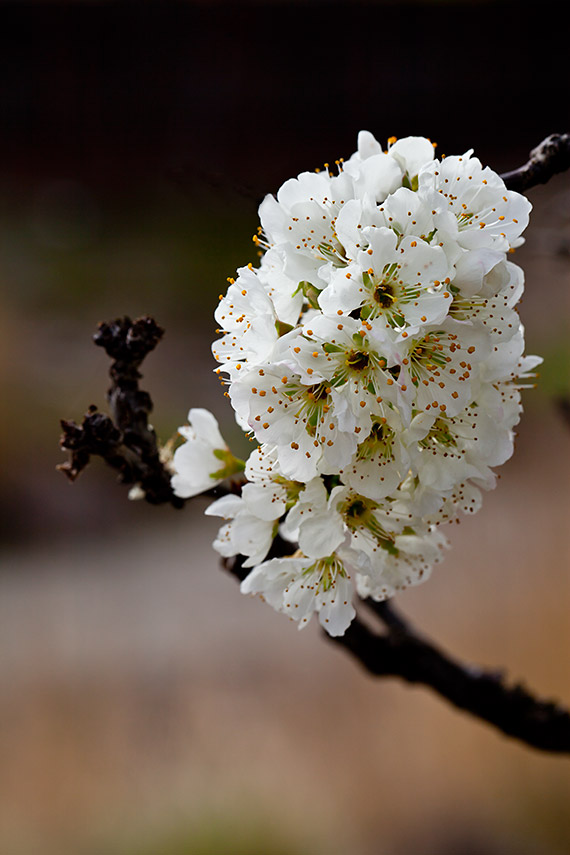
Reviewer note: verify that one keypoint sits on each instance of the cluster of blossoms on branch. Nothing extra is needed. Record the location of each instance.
(376, 356)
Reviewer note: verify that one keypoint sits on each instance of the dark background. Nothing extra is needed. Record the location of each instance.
(254, 92)
(146, 708)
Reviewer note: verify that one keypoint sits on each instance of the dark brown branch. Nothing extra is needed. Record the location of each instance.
(483, 693)
(551, 156)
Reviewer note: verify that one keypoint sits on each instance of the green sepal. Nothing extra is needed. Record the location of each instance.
(232, 465)
(411, 185)
(389, 546)
(283, 328)
(310, 291)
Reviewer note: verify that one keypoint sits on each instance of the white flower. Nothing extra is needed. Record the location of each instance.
(456, 449)
(299, 586)
(373, 525)
(254, 516)
(354, 359)
(248, 533)
(409, 563)
(301, 221)
(376, 355)
(314, 523)
(247, 317)
(300, 419)
(398, 281)
(412, 154)
(437, 367)
(381, 460)
(472, 204)
(204, 459)
(492, 305)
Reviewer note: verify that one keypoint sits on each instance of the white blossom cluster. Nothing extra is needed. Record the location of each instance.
(376, 356)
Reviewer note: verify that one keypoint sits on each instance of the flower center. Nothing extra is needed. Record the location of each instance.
(464, 219)
(318, 392)
(357, 360)
(379, 441)
(427, 355)
(440, 433)
(327, 570)
(359, 516)
(358, 513)
(312, 401)
(355, 510)
(384, 295)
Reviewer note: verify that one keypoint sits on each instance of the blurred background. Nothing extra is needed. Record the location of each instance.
(146, 708)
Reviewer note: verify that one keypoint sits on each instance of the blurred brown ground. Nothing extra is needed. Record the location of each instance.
(146, 707)
(142, 692)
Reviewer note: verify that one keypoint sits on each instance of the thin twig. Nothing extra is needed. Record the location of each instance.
(551, 156)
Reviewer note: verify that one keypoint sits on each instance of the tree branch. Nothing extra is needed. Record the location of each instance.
(552, 155)
(485, 694)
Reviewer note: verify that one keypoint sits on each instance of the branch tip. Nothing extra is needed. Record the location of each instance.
(548, 158)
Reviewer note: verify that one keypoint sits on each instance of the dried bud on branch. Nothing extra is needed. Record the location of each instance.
(126, 442)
